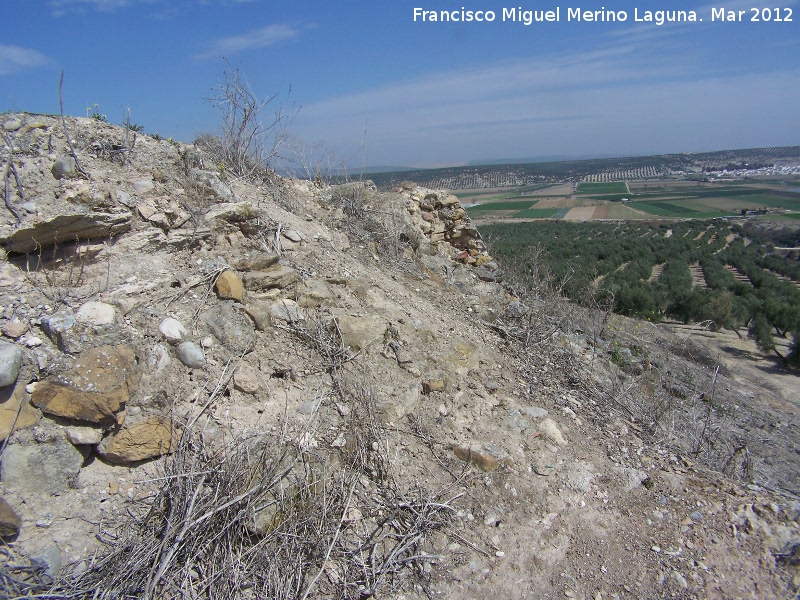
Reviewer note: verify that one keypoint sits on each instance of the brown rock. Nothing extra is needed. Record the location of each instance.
(94, 390)
(10, 522)
(151, 438)
(14, 329)
(10, 400)
(433, 385)
(484, 462)
(259, 313)
(230, 286)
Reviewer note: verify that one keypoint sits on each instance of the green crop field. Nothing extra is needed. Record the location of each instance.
(614, 187)
(502, 205)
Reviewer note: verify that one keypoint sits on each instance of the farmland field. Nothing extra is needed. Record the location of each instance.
(678, 199)
(616, 187)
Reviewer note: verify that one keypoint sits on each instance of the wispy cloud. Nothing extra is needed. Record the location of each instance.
(165, 8)
(14, 59)
(62, 7)
(260, 38)
(624, 98)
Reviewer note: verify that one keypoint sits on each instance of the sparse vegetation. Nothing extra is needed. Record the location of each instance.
(246, 145)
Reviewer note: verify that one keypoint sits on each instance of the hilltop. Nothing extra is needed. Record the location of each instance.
(269, 387)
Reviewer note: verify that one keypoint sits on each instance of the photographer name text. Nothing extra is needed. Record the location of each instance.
(575, 14)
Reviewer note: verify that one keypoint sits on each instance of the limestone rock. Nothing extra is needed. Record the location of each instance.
(247, 379)
(83, 225)
(64, 166)
(256, 262)
(84, 436)
(231, 327)
(550, 429)
(286, 311)
(96, 313)
(10, 363)
(361, 332)
(148, 439)
(14, 400)
(229, 286)
(60, 327)
(191, 355)
(48, 468)
(314, 292)
(95, 389)
(292, 235)
(10, 523)
(259, 313)
(278, 276)
(14, 329)
(172, 329)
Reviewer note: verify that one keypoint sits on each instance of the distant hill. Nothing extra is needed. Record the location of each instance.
(597, 169)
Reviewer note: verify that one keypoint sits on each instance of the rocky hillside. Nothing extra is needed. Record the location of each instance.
(219, 388)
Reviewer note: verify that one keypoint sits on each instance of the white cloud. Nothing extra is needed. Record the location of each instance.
(62, 7)
(14, 59)
(616, 100)
(261, 38)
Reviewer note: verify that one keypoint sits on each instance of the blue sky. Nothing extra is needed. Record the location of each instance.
(374, 86)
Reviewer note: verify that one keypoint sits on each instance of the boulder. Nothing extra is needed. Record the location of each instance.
(10, 523)
(48, 468)
(14, 402)
(94, 390)
(229, 286)
(148, 439)
(10, 363)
